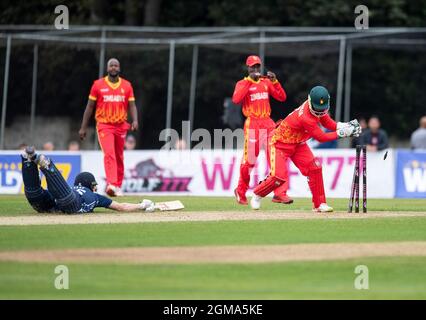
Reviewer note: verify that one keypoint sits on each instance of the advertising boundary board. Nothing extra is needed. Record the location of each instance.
(68, 163)
(216, 172)
(410, 174)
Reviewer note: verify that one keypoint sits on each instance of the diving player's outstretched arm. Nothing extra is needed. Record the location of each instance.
(146, 205)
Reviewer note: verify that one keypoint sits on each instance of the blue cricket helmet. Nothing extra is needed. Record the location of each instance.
(85, 179)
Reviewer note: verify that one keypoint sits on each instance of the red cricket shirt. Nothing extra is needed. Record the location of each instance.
(112, 99)
(254, 96)
(301, 125)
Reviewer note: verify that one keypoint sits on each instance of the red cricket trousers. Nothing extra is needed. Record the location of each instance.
(257, 135)
(111, 138)
(304, 160)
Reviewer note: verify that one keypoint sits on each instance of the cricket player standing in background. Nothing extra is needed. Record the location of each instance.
(289, 141)
(112, 97)
(253, 94)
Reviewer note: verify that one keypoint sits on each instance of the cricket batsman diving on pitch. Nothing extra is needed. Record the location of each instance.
(289, 141)
(60, 197)
(253, 93)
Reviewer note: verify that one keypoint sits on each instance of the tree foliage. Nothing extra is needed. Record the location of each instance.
(386, 82)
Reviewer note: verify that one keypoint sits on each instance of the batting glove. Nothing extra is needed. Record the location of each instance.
(147, 205)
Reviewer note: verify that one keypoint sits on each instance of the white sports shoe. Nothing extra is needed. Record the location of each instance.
(255, 202)
(111, 190)
(29, 154)
(118, 192)
(148, 205)
(42, 161)
(323, 207)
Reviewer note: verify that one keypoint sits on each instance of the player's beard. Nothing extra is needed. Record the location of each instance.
(114, 75)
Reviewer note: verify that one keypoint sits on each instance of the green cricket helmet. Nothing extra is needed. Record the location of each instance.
(85, 179)
(319, 101)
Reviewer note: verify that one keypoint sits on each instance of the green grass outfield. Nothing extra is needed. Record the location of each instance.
(389, 277)
(16, 205)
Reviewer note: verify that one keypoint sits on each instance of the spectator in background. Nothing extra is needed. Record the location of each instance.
(357, 140)
(373, 137)
(73, 146)
(130, 143)
(22, 146)
(48, 146)
(418, 137)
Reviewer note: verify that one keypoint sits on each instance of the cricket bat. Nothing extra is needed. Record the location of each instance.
(169, 205)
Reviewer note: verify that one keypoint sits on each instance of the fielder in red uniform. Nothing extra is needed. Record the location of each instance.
(112, 97)
(253, 94)
(289, 141)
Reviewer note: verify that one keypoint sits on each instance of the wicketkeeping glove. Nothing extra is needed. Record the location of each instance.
(355, 123)
(347, 131)
(357, 126)
(357, 131)
(341, 125)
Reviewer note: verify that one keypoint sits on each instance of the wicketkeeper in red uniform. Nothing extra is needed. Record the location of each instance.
(289, 141)
(111, 96)
(253, 93)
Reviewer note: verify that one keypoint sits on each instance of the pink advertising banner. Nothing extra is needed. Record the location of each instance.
(216, 172)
